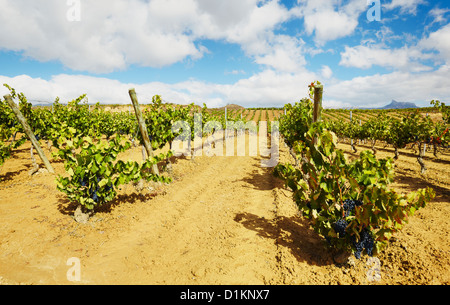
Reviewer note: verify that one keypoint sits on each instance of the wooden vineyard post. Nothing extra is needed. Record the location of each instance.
(29, 132)
(318, 94)
(143, 128)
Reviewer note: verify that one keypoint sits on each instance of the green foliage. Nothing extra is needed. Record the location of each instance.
(440, 133)
(321, 185)
(122, 123)
(297, 121)
(95, 173)
(402, 132)
(159, 120)
(445, 110)
(10, 126)
(326, 179)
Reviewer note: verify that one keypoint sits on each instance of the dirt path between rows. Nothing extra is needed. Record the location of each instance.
(191, 234)
(193, 231)
(223, 220)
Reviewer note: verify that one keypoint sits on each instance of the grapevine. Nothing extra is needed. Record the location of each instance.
(94, 174)
(349, 203)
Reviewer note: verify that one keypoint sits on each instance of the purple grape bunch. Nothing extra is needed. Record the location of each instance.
(349, 205)
(365, 242)
(93, 191)
(340, 226)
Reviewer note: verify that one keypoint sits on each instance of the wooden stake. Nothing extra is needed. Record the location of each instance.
(317, 116)
(29, 133)
(318, 93)
(143, 128)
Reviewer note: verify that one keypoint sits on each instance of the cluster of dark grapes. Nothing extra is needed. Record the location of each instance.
(365, 242)
(349, 205)
(93, 191)
(83, 182)
(340, 226)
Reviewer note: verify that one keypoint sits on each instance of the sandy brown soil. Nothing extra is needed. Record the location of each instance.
(223, 220)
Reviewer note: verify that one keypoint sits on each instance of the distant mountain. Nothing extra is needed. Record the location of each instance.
(40, 103)
(233, 106)
(399, 105)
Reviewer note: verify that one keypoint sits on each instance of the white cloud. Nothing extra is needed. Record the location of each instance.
(329, 25)
(406, 6)
(109, 36)
(267, 88)
(270, 88)
(378, 90)
(252, 27)
(284, 54)
(330, 20)
(364, 57)
(335, 104)
(113, 35)
(439, 41)
(423, 55)
(326, 72)
(438, 15)
(234, 72)
(386, 35)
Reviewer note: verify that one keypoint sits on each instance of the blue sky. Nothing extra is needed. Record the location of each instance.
(248, 52)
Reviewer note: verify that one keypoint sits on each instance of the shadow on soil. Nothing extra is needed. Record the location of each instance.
(68, 208)
(292, 233)
(9, 176)
(409, 177)
(402, 152)
(263, 179)
(402, 177)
